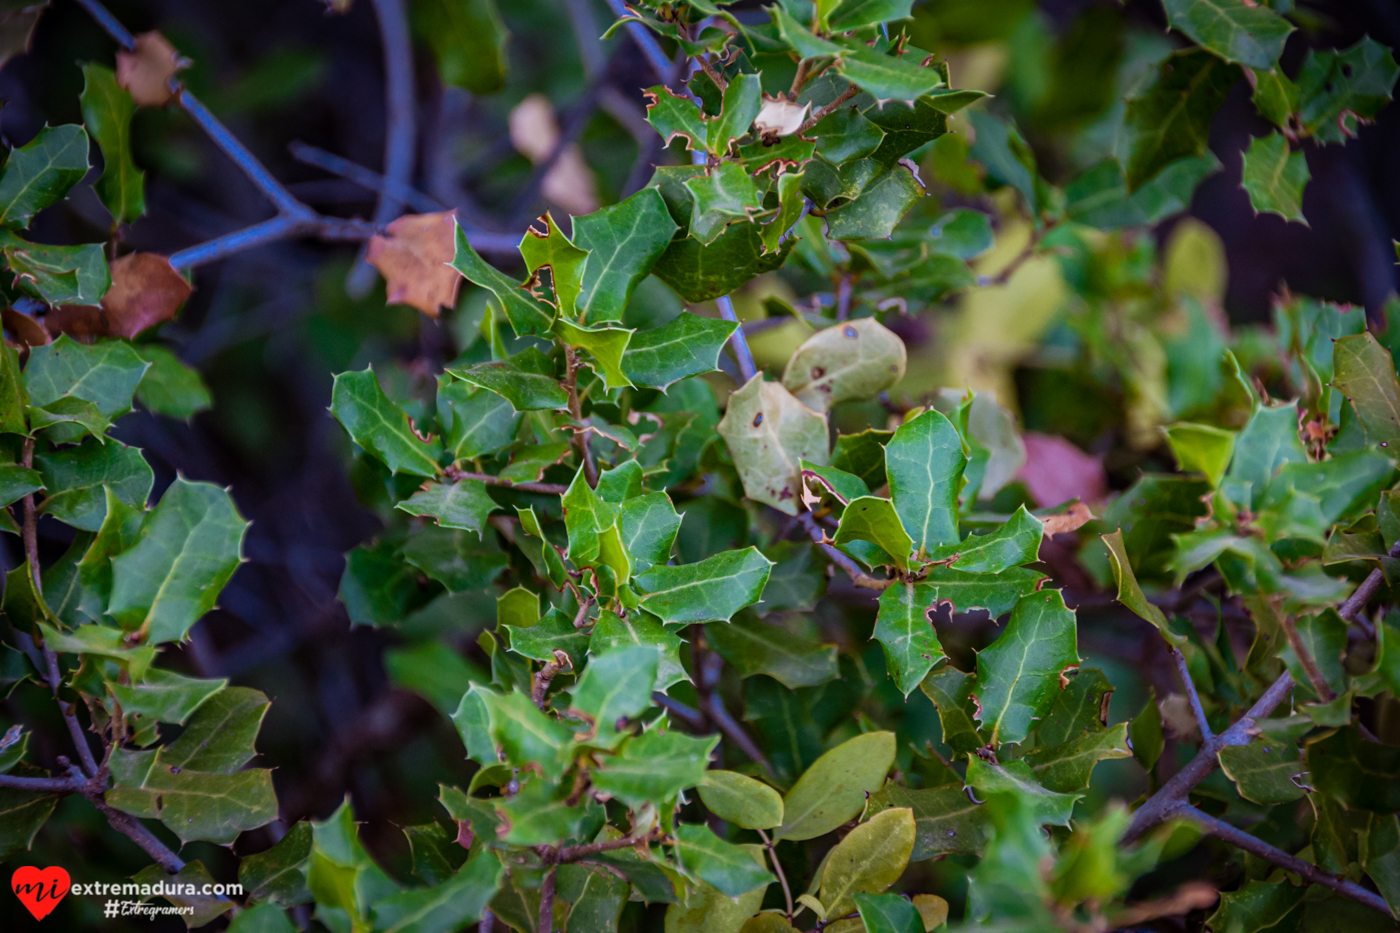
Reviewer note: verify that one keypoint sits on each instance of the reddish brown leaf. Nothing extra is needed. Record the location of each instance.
(146, 291)
(24, 328)
(1057, 471)
(1072, 520)
(146, 70)
(413, 257)
(82, 321)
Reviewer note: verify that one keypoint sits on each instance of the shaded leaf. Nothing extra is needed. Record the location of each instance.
(728, 868)
(41, 172)
(834, 788)
(753, 647)
(1018, 676)
(741, 800)
(946, 820)
(769, 432)
(1236, 31)
(1169, 119)
(1274, 177)
(107, 111)
(381, 427)
(526, 380)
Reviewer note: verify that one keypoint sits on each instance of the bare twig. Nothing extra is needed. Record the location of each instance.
(691, 717)
(1191, 693)
(708, 667)
(859, 577)
(580, 441)
(1357, 601)
(548, 489)
(364, 177)
(547, 674)
(843, 297)
(738, 342)
(778, 869)
(651, 49)
(57, 785)
(547, 901)
(1256, 846)
(829, 109)
(1306, 661)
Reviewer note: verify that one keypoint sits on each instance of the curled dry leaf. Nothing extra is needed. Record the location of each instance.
(414, 256)
(1072, 520)
(1057, 471)
(146, 70)
(24, 328)
(146, 291)
(535, 133)
(780, 116)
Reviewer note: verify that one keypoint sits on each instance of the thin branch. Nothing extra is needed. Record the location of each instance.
(829, 109)
(574, 853)
(548, 489)
(859, 577)
(580, 441)
(711, 73)
(590, 50)
(645, 41)
(691, 717)
(546, 675)
(1004, 276)
(280, 227)
(64, 785)
(364, 177)
(1160, 806)
(400, 125)
(799, 79)
(708, 667)
(547, 901)
(1305, 660)
(1191, 693)
(1305, 870)
(778, 869)
(1357, 601)
(737, 341)
(843, 297)
(132, 828)
(30, 532)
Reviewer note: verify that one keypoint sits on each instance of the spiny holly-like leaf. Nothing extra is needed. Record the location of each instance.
(1275, 178)
(169, 387)
(553, 251)
(464, 504)
(75, 478)
(1130, 594)
(769, 432)
(455, 903)
(1338, 89)
(57, 275)
(455, 558)
(607, 346)
(1013, 544)
(538, 815)
(741, 800)
(613, 632)
(1016, 777)
(468, 39)
(904, 630)
(673, 116)
(525, 734)
(1239, 32)
(616, 684)
(754, 647)
(194, 804)
(1268, 441)
(878, 209)
(1066, 768)
(863, 455)
(528, 315)
(41, 172)
(586, 516)
(849, 15)
(874, 520)
(623, 242)
(654, 767)
(741, 103)
(107, 111)
(710, 590)
(1268, 770)
(868, 860)
(165, 696)
(834, 788)
(1018, 676)
(1365, 375)
(1100, 197)
(946, 821)
(477, 421)
(648, 525)
(855, 360)
(723, 194)
(277, 876)
(13, 397)
(526, 380)
(924, 461)
(381, 427)
(687, 346)
(17, 481)
(1170, 117)
(188, 547)
(725, 866)
(415, 255)
(1201, 448)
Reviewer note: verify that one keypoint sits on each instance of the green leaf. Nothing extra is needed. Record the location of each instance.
(845, 135)
(1381, 859)
(1100, 197)
(753, 647)
(201, 908)
(518, 607)
(58, 275)
(855, 360)
(874, 520)
(434, 671)
(456, 559)
(697, 272)
(76, 479)
(868, 860)
(741, 800)
(707, 910)
(377, 586)
(769, 432)
(1018, 676)
(623, 242)
(834, 788)
(12, 395)
(443, 908)
(854, 14)
(105, 374)
(1266, 443)
(473, 723)
(468, 40)
(1012, 544)
(23, 813)
(687, 346)
(639, 628)
(878, 209)
(16, 482)
(710, 590)
(527, 464)
(1258, 906)
(1016, 777)
(537, 815)
(1365, 375)
(723, 865)
(672, 116)
(844, 487)
(554, 251)
(464, 504)
(1169, 119)
(528, 315)
(586, 516)
(951, 692)
(654, 767)
(1131, 595)
(107, 111)
(888, 913)
(1067, 768)
(1240, 32)
(905, 631)
(277, 876)
(1009, 159)
(924, 461)
(526, 380)
(476, 421)
(188, 547)
(1337, 89)
(381, 427)
(946, 822)
(723, 194)
(1274, 177)
(263, 918)
(525, 734)
(165, 696)
(616, 684)
(171, 388)
(606, 345)
(648, 525)
(1265, 770)
(1357, 773)
(1201, 448)
(41, 172)
(741, 103)
(863, 455)
(888, 78)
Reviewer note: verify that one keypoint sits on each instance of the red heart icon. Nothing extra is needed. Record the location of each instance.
(40, 889)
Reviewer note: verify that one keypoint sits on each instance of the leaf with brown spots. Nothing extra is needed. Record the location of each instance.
(769, 433)
(146, 291)
(414, 258)
(146, 70)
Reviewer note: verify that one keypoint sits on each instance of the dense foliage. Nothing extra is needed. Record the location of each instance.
(618, 514)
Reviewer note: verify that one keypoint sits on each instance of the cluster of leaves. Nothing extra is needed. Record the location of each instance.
(652, 560)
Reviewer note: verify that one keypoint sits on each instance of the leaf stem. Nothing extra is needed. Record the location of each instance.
(778, 869)
(546, 675)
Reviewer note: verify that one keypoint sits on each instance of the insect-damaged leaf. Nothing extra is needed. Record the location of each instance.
(623, 242)
(855, 360)
(1018, 676)
(381, 427)
(769, 432)
(528, 315)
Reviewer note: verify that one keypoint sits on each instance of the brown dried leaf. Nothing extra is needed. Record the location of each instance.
(82, 321)
(146, 291)
(146, 70)
(25, 329)
(414, 258)
(535, 133)
(1072, 520)
(1057, 471)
